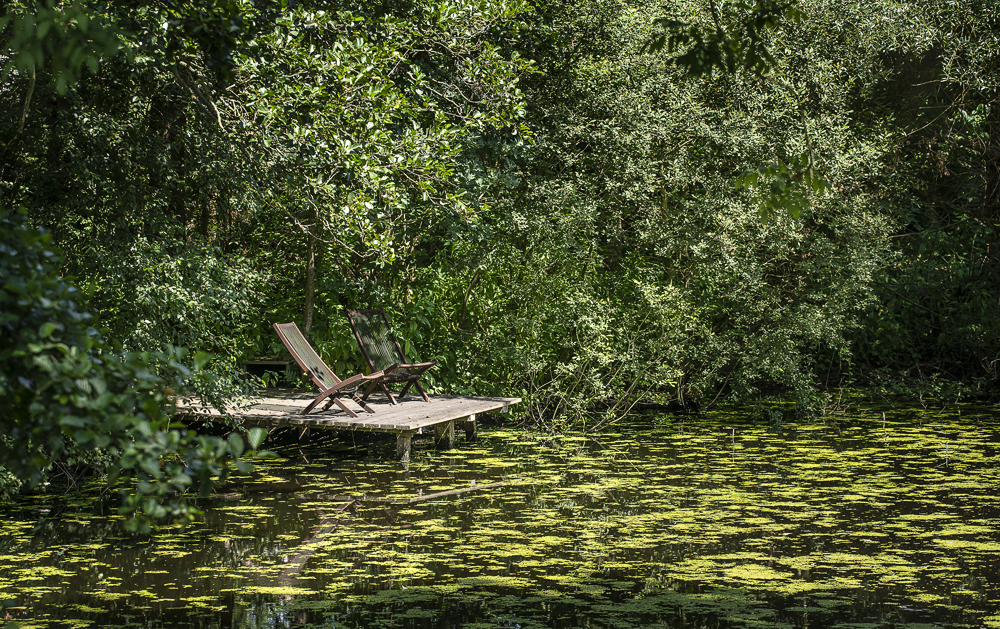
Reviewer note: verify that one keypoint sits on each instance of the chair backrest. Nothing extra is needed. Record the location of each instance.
(371, 329)
(305, 355)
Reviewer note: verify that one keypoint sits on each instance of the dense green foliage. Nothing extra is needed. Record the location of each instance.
(939, 311)
(562, 200)
(67, 398)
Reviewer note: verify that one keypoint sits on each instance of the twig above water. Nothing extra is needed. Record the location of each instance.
(352, 499)
(439, 494)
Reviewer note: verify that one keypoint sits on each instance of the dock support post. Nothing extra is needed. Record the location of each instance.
(469, 425)
(444, 436)
(403, 447)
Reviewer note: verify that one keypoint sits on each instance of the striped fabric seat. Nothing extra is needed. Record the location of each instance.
(383, 353)
(331, 388)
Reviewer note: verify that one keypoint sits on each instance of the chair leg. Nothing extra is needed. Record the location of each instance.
(360, 402)
(319, 398)
(405, 389)
(388, 393)
(421, 389)
(343, 406)
(371, 387)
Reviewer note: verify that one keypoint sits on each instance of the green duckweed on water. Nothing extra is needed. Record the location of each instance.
(664, 522)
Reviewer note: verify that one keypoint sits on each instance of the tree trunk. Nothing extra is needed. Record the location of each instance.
(167, 119)
(307, 319)
(206, 219)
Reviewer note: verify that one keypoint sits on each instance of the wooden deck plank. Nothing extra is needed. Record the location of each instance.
(283, 408)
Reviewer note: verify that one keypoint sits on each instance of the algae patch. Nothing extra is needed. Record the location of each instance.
(694, 524)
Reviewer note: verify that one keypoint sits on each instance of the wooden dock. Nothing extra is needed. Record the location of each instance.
(277, 408)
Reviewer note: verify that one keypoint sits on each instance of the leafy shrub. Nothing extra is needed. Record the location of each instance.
(189, 295)
(64, 389)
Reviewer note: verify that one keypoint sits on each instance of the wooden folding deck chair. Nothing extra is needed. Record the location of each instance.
(330, 386)
(382, 351)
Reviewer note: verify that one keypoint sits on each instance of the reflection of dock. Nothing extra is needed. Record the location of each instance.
(276, 408)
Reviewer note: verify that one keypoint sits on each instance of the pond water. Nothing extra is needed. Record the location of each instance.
(664, 522)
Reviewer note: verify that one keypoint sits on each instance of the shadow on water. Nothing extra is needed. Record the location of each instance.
(713, 523)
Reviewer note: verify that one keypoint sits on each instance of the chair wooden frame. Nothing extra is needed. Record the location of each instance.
(332, 388)
(399, 371)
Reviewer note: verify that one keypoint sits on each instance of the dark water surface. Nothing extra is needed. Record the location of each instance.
(705, 522)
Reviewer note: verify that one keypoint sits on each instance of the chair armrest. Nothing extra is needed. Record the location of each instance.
(413, 365)
(355, 378)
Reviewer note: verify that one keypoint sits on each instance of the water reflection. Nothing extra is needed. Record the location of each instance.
(711, 523)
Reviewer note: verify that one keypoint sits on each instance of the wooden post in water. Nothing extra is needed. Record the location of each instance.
(403, 439)
(444, 435)
(469, 425)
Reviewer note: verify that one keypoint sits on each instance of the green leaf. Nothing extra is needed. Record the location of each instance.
(256, 436)
(236, 444)
(201, 359)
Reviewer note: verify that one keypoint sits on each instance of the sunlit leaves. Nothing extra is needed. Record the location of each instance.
(63, 38)
(735, 36)
(629, 238)
(785, 186)
(379, 108)
(192, 296)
